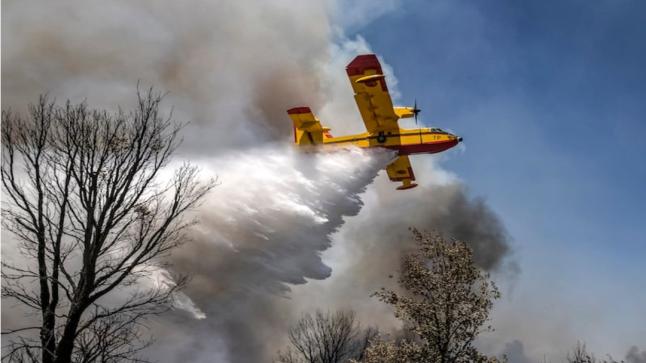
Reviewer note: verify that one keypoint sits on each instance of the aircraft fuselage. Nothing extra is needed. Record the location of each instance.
(405, 141)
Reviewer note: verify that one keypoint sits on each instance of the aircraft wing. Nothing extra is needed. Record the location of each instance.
(401, 170)
(371, 93)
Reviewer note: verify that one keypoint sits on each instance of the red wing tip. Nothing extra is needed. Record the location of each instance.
(299, 110)
(363, 62)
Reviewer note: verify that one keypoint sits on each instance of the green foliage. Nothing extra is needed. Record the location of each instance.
(446, 304)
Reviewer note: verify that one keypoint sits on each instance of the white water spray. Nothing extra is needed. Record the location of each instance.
(261, 229)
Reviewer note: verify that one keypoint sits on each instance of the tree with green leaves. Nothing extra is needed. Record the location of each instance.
(445, 304)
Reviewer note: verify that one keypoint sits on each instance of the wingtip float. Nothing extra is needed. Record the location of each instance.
(381, 119)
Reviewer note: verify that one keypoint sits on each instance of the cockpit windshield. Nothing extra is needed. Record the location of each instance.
(438, 130)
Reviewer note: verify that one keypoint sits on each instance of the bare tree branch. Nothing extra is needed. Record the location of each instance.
(85, 200)
(327, 338)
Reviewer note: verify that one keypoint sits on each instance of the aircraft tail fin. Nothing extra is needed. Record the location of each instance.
(307, 128)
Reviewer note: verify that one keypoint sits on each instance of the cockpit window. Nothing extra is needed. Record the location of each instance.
(439, 131)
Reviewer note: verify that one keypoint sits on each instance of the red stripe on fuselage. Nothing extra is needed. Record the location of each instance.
(427, 148)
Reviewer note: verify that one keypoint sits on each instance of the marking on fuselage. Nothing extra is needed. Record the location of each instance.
(376, 137)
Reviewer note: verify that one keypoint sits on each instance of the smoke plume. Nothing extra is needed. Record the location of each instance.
(230, 68)
(634, 355)
(368, 250)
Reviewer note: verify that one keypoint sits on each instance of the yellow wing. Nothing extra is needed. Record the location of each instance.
(371, 94)
(401, 170)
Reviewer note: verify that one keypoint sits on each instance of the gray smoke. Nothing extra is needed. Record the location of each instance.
(515, 352)
(446, 208)
(634, 355)
(231, 68)
(368, 250)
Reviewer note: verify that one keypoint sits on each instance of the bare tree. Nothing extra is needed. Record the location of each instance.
(447, 301)
(327, 338)
(84, 197)
(580, 354)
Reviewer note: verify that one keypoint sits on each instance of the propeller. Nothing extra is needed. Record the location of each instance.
(416, 111)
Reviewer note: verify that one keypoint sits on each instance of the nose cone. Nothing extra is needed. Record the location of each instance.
(459, 139)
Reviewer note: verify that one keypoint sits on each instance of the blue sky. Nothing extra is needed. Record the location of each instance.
(550, 97)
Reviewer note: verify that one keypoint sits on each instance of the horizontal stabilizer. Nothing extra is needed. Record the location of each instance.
(304, 118)
(307, 128)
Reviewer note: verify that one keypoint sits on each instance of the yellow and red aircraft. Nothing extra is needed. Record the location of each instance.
(381, 120)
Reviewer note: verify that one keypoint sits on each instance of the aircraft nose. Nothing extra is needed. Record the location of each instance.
(459, 139)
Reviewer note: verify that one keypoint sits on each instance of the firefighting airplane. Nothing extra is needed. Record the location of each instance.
(380, 117)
